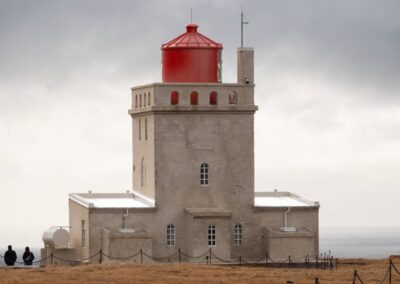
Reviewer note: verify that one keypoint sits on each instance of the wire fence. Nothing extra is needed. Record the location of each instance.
(387, 277)
(324, 261)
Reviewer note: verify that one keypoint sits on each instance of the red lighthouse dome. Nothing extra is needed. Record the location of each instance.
(191, 57)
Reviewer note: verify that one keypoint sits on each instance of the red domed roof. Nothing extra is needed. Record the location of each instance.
(191, 39)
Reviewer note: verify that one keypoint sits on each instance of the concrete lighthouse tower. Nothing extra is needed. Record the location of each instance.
(193, 141)
(193, 172)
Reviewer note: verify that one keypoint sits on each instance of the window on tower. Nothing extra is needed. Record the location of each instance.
(171, 235)
(135, 101)
(213, 98)
(211, 236)
(140, 100)
(144, 99)
(237, 235)
(204, 174)
(194, 97)
(148, 100)
(174, 98)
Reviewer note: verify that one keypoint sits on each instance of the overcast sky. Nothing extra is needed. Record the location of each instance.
(327, 87)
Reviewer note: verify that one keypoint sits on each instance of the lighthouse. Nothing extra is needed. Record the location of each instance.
(193, 171)
(192, 57)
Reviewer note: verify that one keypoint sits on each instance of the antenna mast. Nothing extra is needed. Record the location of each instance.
(242, 22)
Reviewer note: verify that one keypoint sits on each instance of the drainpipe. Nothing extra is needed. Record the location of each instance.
(124, 218)
(286, 212)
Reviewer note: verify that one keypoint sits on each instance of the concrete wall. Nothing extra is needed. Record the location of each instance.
(77, 213)
(296, 245)
(111, 220)
(299, 217)
(123, 245)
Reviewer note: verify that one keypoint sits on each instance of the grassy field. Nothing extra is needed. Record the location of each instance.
(370, 271)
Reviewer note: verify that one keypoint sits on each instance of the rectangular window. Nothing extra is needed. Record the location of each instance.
(83, 237)
(211, 236)
(237, 235)
(204, 174)
(171, 235)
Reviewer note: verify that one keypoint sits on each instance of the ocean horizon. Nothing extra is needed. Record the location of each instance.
(360, 242)
(340, 242)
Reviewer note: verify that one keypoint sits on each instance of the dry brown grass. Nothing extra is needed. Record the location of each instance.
(371, 271)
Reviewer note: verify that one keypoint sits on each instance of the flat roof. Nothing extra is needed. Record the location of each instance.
(282, 199)
(112, 200)
(262, 199)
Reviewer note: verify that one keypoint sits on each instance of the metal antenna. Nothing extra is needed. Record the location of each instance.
(191, 15)
(242, 22)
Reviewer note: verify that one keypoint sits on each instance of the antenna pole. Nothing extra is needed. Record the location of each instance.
(241, 28)
(191, 15)
(242, 22)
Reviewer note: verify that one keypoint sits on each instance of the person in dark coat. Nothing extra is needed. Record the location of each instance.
(28, 256)
(10, 256)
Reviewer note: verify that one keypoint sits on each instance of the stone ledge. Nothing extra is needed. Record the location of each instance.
(209, 212)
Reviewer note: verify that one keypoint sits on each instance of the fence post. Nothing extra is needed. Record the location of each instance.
(290, 261)
(179, 254)
(390, 270)
(141, 256)
(354, 276)
(316, 261)
(266, 258)
(240, 260)
(207, 259)
(101, 257)
(210, 255)
(51, 258)
(316, 280)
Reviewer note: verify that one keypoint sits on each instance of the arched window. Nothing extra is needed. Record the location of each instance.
(144, 99)
(148, 101)
(174, 98)
(142, 172)
(204, 174)
(237, 235)
(140, 100)
(213, 98)
(194, 97)
(171, 235)
(135, 100)
(211, 236)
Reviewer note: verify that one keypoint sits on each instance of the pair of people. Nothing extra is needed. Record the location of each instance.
(10, 257)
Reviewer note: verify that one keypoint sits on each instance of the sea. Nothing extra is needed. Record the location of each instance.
(360, 242)
(340, 242)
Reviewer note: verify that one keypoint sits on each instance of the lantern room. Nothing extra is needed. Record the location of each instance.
(192, 57)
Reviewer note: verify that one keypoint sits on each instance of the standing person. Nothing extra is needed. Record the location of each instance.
(28, 256)
(10, 256)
